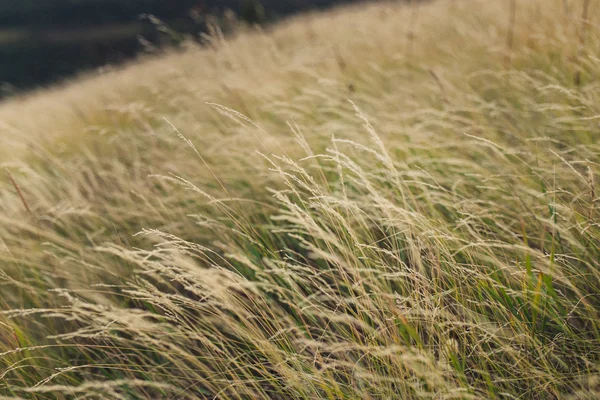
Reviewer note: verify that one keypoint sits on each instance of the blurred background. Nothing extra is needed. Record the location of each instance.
(44, 41)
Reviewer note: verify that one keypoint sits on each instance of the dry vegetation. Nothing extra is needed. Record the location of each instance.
(389, 201)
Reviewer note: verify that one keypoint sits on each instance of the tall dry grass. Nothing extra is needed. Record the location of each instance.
(368, 203)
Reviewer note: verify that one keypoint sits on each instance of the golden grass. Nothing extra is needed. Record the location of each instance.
(384, 201)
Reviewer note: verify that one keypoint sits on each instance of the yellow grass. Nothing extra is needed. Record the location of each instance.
(384, 201)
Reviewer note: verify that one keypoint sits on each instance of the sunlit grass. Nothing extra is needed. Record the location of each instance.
(386, 201)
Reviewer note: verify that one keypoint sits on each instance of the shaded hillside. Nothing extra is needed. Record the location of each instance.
(42, 41)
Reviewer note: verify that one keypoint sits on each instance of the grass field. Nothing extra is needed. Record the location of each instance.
(391, 201)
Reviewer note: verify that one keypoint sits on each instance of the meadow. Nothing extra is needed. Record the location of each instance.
(385, 201)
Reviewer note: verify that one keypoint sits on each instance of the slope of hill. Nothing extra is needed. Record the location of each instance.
(43, 41)
(385, 201)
